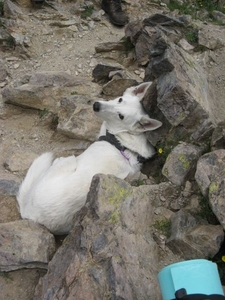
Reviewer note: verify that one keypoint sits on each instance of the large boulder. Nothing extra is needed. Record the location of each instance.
(110, 252)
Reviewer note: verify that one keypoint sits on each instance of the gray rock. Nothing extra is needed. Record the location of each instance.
(110, 252)
(191, 238)
(110, 46)
(19, 160)
(6, 40)
(143, 44)
(45, 89)
(9, 209)
(101, 72)
(218, 15)
(133, 31)
(25, 244)
(77, 120)
(218, 137)
(8, 187)
(20, 284)
(208, 38)
(51, 78)
(163, 20)
(4, 73)
(181, 163)
(216, 197)
(116, 87)
(30, 96)
(209, 167)
(11, 10)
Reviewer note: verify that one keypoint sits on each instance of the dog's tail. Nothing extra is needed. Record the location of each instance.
(38, 167)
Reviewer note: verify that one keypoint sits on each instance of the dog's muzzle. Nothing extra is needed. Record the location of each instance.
(96, 106)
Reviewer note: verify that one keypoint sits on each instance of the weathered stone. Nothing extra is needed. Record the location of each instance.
(66, 23)
(101, 72)
(117, 87)
(6, 41)
(218, 15)
(216, 197)
(25, 244)
(20, 284)
(186, 46)
(191, 238)
(51, 78)
(181, 163)
(209, 166)
(133, 30)
(159, 45)
(32, 96)
(11, 10)
(9, 209)
(77, 120)
(208, 38)
(110, 251)
(110, 46)
(4, 73)
(45, 90)
(19, 160)
(143, 44)
(218, 137)
(8, 187)
(163, 20)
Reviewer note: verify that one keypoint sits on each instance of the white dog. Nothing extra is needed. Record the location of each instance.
(54, 190)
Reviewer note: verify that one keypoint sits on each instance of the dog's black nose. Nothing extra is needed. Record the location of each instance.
(96, 106)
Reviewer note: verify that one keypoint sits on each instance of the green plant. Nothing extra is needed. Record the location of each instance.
(1, 10)
(127, 44)
(205, 212)
(6, 276)
(164, 226)
(193, 7)
(87, 12)
(184, 8)
(10, 42)
(43, 113)
(192, 36)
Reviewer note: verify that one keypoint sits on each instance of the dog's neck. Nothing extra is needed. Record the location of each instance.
(126, 141)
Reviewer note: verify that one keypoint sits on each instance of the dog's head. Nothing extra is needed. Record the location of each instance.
(126, 113)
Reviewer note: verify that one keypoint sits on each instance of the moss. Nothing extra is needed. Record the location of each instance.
(114, 217)
(213, 187)
(185, 163)
(118, 195)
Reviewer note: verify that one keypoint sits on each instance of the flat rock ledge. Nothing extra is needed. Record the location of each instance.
(25, 244)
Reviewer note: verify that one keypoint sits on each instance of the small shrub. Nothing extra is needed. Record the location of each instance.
(192, 36)
(164, 226)
(43, 113)
(206, 212)
(87, 12)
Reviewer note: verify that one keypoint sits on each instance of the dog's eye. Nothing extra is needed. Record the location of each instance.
(120, 100)
(121, 116)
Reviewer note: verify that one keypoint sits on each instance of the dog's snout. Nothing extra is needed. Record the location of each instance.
(96, 106)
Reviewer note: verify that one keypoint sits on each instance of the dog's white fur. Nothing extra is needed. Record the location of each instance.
(54, 190)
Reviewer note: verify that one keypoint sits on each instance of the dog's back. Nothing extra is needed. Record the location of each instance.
(39, 166)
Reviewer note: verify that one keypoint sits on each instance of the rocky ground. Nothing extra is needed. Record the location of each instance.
(58, 39)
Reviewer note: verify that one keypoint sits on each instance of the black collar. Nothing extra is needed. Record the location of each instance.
(110, 138)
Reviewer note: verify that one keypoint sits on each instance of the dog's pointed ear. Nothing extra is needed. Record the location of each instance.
(139, 90)
(147, 124)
